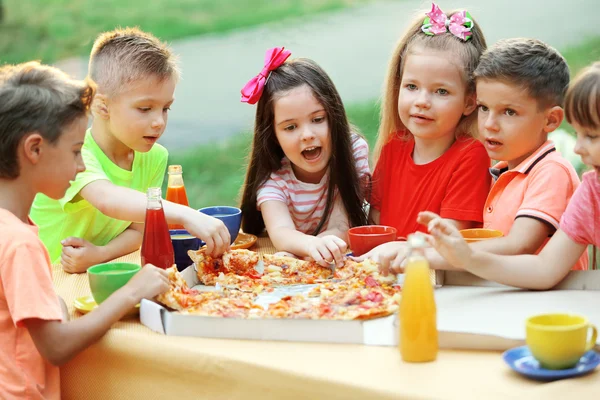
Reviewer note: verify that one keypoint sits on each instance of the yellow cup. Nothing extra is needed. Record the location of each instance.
(558, 341)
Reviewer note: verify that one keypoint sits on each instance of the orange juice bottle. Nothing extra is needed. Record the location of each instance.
(418, 327)
(176, 190)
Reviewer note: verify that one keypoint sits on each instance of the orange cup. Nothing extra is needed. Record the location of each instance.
(478, 234)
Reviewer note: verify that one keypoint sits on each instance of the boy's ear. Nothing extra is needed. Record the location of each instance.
(100, 106)
(554, 117)
(470, 103)
(33, 147)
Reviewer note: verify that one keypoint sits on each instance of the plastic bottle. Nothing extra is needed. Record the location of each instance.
(418, 321)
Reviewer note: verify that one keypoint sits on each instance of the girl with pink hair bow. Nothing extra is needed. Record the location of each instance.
(426, 155)
(308, 171)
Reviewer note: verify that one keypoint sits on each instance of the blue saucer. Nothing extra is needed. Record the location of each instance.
(521, 360)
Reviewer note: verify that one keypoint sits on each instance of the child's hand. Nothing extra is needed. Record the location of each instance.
(446, 239)
(78, 255)
(148, 283)
(213, 231)
(389, 256)
(327, 249)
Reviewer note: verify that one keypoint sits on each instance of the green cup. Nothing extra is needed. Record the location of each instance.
(105, 279)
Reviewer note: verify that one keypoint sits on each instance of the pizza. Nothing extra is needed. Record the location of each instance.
(239, 262)
(232, 304)
(294, 270)
(180, 297)
(355, 291)
(274, 270)
(355, 304)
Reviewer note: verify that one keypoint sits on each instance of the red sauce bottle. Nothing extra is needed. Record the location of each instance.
(157, 248)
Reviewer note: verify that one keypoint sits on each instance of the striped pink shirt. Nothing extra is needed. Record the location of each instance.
(306, 201)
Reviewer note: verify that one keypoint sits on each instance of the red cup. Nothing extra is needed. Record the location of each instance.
(365, 238)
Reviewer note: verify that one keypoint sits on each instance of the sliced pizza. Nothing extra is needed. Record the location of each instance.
(297, 271)
(240, 262)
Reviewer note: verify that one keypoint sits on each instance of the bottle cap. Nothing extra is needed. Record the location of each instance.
(154, 193)
(416, 240)
(175, 169)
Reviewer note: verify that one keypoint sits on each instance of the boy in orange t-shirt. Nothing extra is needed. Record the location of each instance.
(43, 117)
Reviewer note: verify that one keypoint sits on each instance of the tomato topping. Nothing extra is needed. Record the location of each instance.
(371, 282)
(375, 297)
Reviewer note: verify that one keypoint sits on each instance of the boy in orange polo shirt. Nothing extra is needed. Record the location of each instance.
(43, 117)
(521, 85)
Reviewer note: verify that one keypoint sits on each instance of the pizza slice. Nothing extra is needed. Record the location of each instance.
(233, 304)
(179, 296)
(293, 270)
(240, 262)
(345, 304)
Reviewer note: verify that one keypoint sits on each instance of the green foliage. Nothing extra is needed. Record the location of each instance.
(50, 30)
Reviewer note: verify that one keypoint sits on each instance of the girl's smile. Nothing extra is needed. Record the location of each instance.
(302, 130)
(312, 154)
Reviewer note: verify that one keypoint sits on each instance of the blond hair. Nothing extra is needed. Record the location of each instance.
(122, 56)
(582, 101)
(466, 51)
(37, 98)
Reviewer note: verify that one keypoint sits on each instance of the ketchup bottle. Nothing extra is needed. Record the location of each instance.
(157, 248)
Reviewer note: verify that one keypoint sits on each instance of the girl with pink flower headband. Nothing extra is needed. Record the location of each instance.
(426, 155)
(308, 171)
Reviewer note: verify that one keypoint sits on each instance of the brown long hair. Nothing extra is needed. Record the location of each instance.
(468, 52)
(266, 154)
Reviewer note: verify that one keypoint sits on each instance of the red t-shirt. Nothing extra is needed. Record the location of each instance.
(454, 186)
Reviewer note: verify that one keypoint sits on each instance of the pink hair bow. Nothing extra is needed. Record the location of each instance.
(252, 91)
(437, 23)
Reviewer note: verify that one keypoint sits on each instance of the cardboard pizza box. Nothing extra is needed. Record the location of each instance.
(378, 331)
(472, 314)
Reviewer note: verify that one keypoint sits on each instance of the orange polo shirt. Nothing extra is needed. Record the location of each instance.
(26, 292)
(540, 188)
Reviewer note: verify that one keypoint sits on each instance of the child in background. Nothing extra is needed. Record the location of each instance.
(426, 156)
(308, 170)
(100, 217)
(43, 117)
(578, 225)
(520, 92)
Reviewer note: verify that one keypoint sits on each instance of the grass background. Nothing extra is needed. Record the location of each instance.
(214, 173)
(50, 30)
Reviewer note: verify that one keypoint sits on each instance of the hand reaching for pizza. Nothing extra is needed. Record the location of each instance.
(78, 255)
(211, 230)
(389, 256)
(327, 249)
(446, 239)
(148, 283)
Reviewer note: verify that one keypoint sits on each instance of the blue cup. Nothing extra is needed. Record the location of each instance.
(231, 217)
(182, 242)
